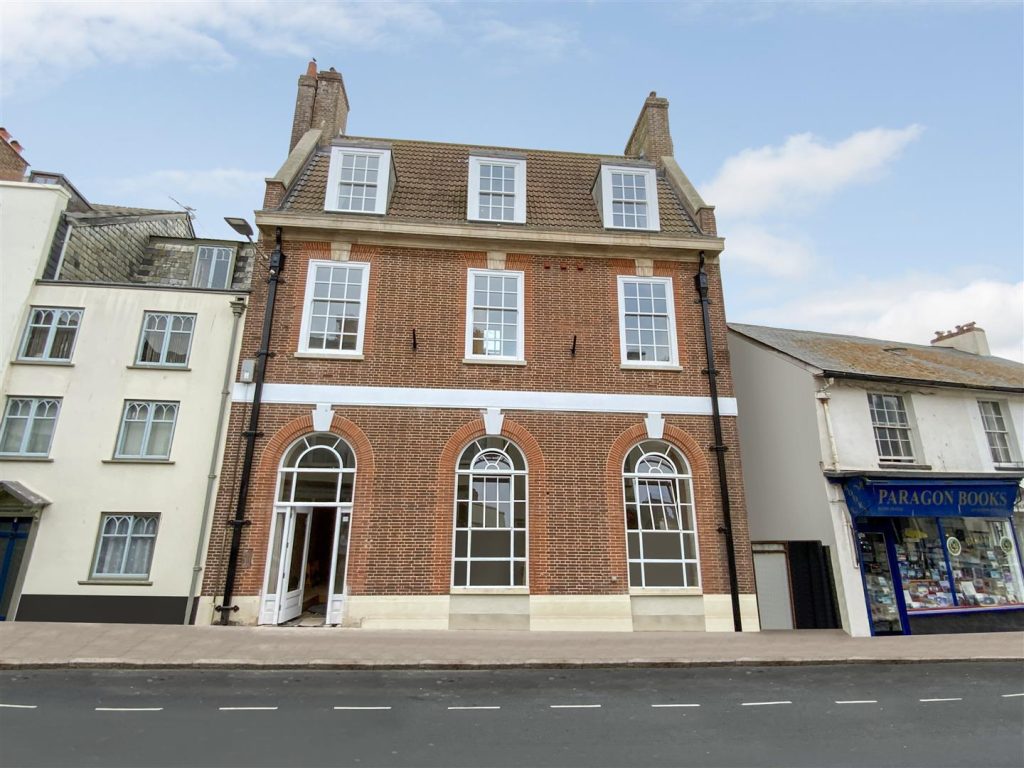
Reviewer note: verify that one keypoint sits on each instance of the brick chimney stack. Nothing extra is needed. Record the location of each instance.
(12, 165)
(650, 138)
(321, 102)
(967, 338)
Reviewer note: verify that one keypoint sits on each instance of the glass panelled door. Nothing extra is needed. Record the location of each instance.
(882, 590)
(337, 598)
(293, 564)
(13, 538)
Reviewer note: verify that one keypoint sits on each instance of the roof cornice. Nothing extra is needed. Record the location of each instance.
(475, 237)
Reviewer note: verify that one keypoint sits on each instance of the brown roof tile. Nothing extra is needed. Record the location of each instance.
(431, 182)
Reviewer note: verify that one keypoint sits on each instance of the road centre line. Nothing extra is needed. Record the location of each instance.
(362, 709)
(19, 706)
(660, 706)
(858, 701)
(1011, 695)
(488, 707)
(925, 701)
(574, 706)
(247, 709)
(129, 709)
(762, 703)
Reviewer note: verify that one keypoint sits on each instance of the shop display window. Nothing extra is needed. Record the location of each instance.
(922, 564)
(986, 570)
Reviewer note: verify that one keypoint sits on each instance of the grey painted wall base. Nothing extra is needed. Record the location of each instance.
(982, 621)
(113, 609)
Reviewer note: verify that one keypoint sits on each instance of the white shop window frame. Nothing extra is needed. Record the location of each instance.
(670, 301)
(520, 356)
(651, 181)
(384, 177)
(307, 310)
(519, 191)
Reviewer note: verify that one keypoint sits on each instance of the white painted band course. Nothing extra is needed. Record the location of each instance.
(422, 397)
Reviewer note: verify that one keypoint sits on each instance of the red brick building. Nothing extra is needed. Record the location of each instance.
(485, 401)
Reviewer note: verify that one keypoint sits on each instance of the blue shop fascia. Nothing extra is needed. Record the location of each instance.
(937, 554)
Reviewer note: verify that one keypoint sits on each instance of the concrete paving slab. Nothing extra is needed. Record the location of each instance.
(26, 644)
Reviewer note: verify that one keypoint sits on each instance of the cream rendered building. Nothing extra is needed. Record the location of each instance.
(113, 395)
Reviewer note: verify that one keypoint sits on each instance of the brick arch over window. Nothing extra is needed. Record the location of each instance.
(705, 492)
(537, 522)
(261, 502)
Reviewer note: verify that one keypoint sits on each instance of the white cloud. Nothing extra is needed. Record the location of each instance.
(753, 247)
(40, 40)
(908, 309)
(545, 39)
(802, 171)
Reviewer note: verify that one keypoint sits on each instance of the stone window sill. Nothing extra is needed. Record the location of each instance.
(643, 367)
(902, 465)
(492, 361)
(138, 367)
(665, 591)
(60, 363)
(1009, 467)
(25, 458)
(115, 582)
(327, 356)
(489, 591)
(136, 461)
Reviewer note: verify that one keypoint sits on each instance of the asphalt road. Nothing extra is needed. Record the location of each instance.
(852, 715)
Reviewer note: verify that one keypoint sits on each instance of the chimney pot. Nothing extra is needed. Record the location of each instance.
(966, 338)
(16, 146)
(311, 69)
(4, 134)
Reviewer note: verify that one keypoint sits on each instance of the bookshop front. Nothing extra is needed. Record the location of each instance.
(937, 556)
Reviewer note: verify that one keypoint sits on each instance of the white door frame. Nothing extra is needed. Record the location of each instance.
(336, 601)
(287, 608)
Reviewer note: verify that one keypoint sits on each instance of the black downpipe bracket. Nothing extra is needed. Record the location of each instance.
(701, 282)
(240, 521)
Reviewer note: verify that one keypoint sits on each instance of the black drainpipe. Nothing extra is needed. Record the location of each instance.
(240, 521)
(701, 282)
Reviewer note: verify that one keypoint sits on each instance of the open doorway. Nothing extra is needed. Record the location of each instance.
(316, 592)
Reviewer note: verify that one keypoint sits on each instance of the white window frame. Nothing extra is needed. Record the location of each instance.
(47, 357)
(133, 518)
(499, 446)
(147, 431)
(213, 262)
(914, 457)
(334, 179)
(651, 182)
(166, 341)
(1012, 446)
(34, 403)
(519, 191)
(471, 276)
(307, 310)
(661, 451)
(673, 362)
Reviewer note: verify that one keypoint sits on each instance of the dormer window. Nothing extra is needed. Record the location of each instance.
(359, 180)
(628, 198)
(497, 190)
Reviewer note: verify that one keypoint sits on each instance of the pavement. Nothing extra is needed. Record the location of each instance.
(40, 645)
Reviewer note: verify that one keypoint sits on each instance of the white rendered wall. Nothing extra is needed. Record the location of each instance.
(78, 481)
(29, 214)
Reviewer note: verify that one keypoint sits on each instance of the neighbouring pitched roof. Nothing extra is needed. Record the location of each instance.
(431, 186)
(858, 357)
(103, 211)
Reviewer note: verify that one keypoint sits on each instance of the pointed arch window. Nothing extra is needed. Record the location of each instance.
(490, 515)
(661, 530)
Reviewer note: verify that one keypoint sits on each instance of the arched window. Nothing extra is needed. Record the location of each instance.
(490, 515)
(661, 532)
(318, 468)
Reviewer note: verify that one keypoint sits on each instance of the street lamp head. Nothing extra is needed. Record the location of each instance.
(241, 226)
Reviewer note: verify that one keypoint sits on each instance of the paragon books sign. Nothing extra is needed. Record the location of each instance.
(929, 498)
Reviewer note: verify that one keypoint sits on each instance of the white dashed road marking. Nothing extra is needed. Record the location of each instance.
(763, 703)
(129, 709)
(859, 701)
(247, 709)
(1011, 695)
(474, 707)
(575, 706)
(925, 701)
(18, 706)
(659, 706)
(362, 709)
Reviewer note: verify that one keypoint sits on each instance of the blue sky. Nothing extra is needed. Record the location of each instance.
(866, 159)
